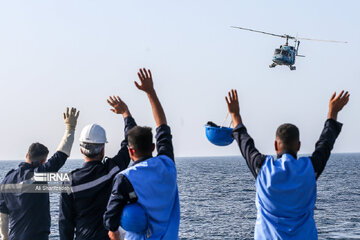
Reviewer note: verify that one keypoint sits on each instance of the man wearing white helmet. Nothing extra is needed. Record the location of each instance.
(81, 210)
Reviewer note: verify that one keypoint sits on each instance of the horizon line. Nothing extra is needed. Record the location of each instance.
(199, 156)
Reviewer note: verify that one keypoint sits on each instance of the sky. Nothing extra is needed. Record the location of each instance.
(55, 54)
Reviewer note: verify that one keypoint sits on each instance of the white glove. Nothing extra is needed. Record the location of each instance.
(70, 120)
(4, 226)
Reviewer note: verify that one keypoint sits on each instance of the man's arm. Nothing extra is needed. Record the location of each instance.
(122, 158)
(254, 159)
(66, 217)
(164, 141)
(4, 219)
(4, 226)
(122, 193)
(329, 134)
(64, 148)
(163, 134)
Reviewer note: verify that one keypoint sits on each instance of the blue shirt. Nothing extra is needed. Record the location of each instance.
(123, 191)
(285, 199)
(270, 223)
(155, 185)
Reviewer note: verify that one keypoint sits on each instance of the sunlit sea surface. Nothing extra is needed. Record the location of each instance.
(217, 198)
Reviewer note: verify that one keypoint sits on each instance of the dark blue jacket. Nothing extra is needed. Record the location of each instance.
(81, 211)
(29, 212)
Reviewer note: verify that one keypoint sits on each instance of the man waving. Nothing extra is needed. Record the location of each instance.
(151, 181)
(286, 185)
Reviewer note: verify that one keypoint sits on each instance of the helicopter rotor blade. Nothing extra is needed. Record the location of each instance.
(320, 40)
(272, 34)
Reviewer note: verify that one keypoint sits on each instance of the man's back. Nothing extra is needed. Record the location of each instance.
(81, 210)
(91, 190)
(29, 212)
(158, 195)
(285, 199)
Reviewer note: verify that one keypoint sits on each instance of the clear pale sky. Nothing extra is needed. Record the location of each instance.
(55, 54)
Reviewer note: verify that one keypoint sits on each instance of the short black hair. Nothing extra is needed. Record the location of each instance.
(37, 152)
(288, 134)
(141, 139)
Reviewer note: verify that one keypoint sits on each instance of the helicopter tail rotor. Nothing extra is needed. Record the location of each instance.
(320, 40)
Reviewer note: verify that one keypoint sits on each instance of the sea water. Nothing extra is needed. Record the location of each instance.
(217, 197)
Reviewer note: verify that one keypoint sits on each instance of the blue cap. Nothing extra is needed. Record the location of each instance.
(220, 136)
(134, 219)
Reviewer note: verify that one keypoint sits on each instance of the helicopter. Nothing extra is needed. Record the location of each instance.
(285, 54)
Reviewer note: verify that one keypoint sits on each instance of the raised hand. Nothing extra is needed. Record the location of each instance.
(146, 82)
(233, 102)
(119, 107)
(233, 107)
(337, 103)
(146, 85)
(70, 120)
(70, 117)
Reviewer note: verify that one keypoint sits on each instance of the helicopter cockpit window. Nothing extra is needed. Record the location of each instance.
(285, 53)
(277, 51)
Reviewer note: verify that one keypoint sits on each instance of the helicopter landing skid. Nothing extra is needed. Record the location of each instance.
(272, 65)
(292, 67)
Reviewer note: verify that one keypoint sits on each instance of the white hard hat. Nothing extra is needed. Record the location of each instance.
(93, 133)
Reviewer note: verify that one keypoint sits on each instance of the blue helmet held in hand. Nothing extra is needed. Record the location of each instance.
(220, 136)
(134, 218)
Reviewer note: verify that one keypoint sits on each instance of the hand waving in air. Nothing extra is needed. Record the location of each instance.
(119, 107)
(233, 102)
(146, 85)
(146, 82)
(70, 120)
(70, 117)
(337, 103)
(233, 107)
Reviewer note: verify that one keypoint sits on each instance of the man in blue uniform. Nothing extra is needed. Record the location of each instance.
(81, 210)
(151, 181)
(286, 186)
(29, 213)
